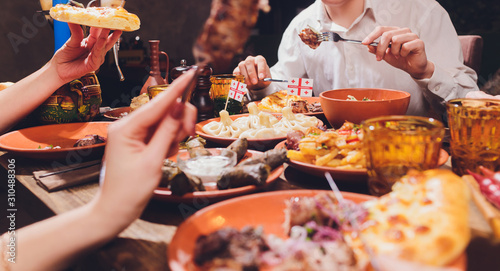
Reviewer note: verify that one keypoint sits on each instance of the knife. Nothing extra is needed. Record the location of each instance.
(275, 80)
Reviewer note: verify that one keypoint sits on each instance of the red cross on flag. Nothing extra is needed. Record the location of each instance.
(300, 87)
(237, 90)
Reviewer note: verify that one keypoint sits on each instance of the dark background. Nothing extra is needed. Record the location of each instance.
(177, 23)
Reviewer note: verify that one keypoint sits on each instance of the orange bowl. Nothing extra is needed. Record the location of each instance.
(383, 102)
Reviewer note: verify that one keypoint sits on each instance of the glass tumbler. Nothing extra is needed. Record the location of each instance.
(219, 91)
(395, 144)
(155, 90)
(475, 134)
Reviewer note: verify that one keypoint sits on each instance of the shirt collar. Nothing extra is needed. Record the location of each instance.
(325, 24)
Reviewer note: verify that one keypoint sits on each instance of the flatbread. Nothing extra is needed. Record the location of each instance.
(103, 17)
(424, 219)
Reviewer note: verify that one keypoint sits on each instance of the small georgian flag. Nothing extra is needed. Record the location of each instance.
(300, 87)
(237, 90)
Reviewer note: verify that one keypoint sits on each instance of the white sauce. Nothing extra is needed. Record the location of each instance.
(207, 168)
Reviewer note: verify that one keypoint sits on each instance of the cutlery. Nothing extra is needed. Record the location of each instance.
(353, 221)
(332, 36)
(69, 169)
(116, 47)
(274, 80)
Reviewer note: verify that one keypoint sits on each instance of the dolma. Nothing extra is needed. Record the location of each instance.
(169, 170)
(182, 184)
(273, 158)
(254, 174)
(239, 146)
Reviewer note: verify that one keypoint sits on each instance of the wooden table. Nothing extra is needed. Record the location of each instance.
(143, 245)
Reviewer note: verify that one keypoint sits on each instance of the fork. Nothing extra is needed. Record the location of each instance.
(332, 36)
(352, 220)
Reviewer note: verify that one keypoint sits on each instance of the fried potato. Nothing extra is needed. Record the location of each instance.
(341, 148)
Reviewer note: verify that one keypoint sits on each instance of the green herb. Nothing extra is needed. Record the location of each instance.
(323, 146)
(39, 147)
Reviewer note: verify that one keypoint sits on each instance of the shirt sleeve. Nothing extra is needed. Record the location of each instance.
(451, 78)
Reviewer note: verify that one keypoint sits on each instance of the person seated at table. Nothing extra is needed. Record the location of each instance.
(131, 169)
(424, 57)
(134, 154)
(76, 58)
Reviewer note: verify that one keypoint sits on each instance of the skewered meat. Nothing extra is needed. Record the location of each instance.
(226, 31)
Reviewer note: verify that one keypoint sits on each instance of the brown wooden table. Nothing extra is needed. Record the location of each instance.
(143, 245)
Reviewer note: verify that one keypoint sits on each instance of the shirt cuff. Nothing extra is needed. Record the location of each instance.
(440, 83)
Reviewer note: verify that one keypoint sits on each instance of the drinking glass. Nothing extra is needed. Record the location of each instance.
(219, 91)
(475, 134)
(155, 90)
(395, 144)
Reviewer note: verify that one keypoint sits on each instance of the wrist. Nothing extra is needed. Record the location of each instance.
(427, 73)
(53, 75)
(111, 216)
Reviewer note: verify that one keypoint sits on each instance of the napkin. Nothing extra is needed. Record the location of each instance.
(64, 177)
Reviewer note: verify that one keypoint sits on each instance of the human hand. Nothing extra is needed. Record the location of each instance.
(407, 51)
(255, 69)
(79, 56)
(136, 148)
(481, 95)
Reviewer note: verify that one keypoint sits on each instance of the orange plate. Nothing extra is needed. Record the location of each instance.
(263, 209)
(258, 144)
(353, 175)
(310, 100)
(116, 113)
(25, 142)
(202, 197)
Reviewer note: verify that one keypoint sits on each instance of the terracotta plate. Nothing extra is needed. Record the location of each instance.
(263, 209)
(116, 113)
(202, 197)
(257, 144)
(310, 100)
(25, 142)
(352, 175)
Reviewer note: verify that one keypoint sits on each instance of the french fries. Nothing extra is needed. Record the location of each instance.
(342, 148)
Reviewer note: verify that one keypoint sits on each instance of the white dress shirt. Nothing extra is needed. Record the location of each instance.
(335, 65)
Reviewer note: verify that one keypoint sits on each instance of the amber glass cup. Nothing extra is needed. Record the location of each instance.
(219, 91)
(395, 144)
(475, 134)
(155, 90)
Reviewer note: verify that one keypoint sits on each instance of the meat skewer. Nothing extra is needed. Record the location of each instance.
(226, 31)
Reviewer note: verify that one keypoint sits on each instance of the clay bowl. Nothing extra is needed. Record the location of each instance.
(383, 102)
